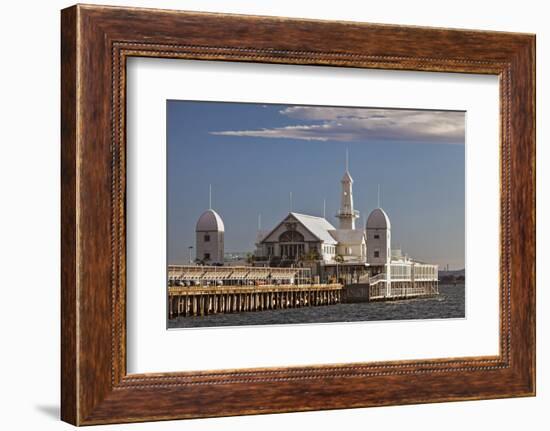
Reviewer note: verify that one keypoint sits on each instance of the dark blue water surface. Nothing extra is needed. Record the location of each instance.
(449, 304)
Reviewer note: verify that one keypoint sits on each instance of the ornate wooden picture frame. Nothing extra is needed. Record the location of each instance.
(96, 41)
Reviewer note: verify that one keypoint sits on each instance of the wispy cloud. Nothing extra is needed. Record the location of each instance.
(363, 124)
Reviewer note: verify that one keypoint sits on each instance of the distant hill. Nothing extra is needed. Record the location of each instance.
(455, 272)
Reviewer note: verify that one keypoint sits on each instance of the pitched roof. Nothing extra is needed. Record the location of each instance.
(348, 236)
(318, 226)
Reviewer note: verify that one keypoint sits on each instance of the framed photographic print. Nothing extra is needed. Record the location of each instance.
(307, 258)
(324, 214)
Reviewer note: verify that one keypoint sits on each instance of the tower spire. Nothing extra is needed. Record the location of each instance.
(378, 206)
(347, 214)
(209, 196)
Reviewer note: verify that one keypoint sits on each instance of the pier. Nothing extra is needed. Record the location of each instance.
(195, 290)
(201, 301)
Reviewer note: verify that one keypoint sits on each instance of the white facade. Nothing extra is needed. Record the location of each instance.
(301, 237)
(298, 236)
(378, 238)
(305, 237)
(210, 238)
(352, 245)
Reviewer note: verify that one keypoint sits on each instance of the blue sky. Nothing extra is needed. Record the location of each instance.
(254, 155)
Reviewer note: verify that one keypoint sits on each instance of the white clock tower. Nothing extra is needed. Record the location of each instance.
(347, 214)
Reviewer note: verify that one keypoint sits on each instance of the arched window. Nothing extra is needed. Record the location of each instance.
(291, 236)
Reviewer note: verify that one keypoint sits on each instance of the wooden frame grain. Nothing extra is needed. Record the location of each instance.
(95, 43)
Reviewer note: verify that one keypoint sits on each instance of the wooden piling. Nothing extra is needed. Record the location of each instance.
(205, 300)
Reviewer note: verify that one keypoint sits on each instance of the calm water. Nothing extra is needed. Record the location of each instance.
(449, 304)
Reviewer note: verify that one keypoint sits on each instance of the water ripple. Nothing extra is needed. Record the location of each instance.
(449, 304)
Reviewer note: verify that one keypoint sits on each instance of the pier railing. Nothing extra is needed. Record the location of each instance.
(378, 278)
(203, 275)
(405, 281)
(402, 289)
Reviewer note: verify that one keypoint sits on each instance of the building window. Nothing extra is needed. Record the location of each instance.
(376, 236)
(206, 256)
(291, 236)
(376, 253)
(206, 238)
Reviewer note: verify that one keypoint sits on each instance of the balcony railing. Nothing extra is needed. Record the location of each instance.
(344, 213)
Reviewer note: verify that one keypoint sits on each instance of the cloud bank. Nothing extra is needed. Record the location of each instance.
(363, 124)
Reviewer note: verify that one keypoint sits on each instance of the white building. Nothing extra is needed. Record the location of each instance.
(347, 252)
(344, 253)
(300, 237)
(210, 238)
(297, 237)
(379, 237)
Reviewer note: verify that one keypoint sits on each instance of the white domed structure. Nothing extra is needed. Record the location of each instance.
(378, 219)
(210, 238)
(210, 221)
(378, 238)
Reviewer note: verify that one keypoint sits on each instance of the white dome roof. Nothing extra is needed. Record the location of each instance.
(210, 221)
(378, 219)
